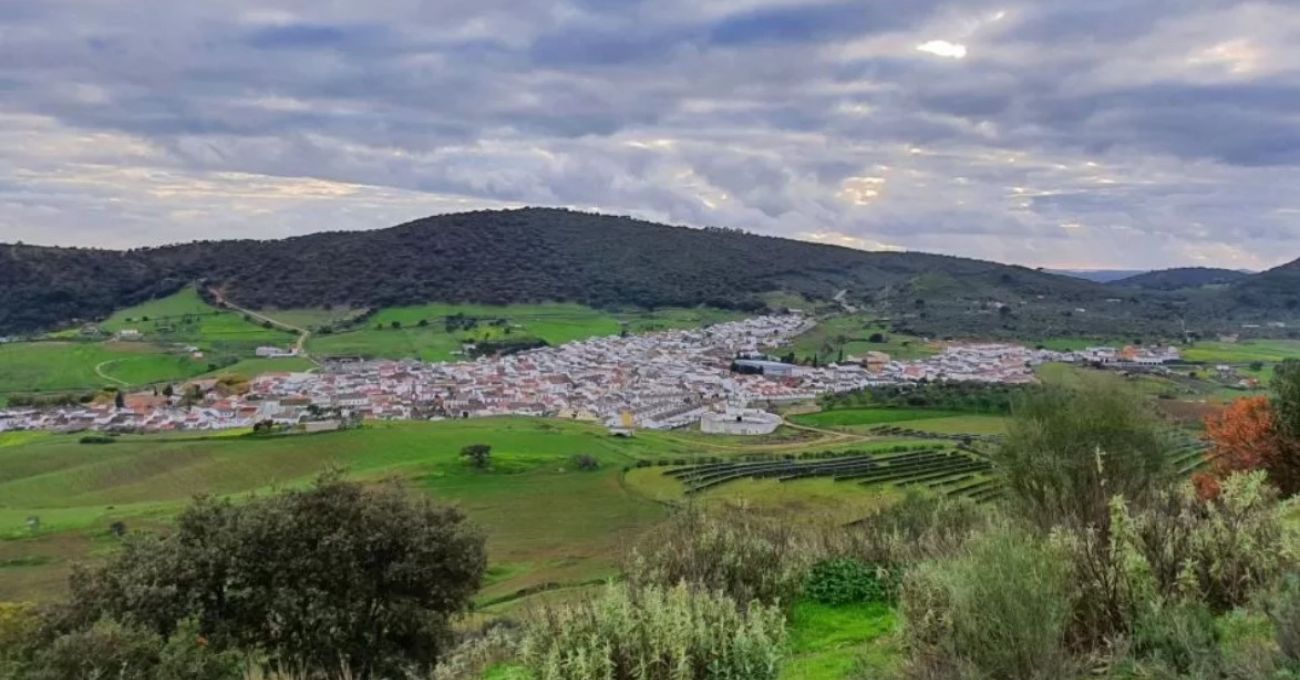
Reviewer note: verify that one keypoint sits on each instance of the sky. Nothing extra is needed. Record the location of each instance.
(1059, 133)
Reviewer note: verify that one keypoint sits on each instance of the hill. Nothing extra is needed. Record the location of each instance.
(1181, 277)
(1099, 275)
(499, 257)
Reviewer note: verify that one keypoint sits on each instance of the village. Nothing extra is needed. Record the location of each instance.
(720, 375)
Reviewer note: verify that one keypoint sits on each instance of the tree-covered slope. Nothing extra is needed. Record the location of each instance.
(1181, 277)
(540, 254)
(523, 255)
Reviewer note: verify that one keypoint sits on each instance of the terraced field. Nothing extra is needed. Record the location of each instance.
(948, 471)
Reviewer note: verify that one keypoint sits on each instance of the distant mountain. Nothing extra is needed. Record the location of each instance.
(1181, 277)
(1099, 275)
(525, 255)
(542, 254)
(1277, 289)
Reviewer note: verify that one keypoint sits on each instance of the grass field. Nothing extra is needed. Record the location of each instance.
(554, 323)
(68, 366)
(850, 333)
(546, 522)
(867, 416)
(254, 367)
(310, 318)
(1269, 351)
(184, 317)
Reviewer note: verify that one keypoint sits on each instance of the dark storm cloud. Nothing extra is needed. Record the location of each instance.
(1133, 133)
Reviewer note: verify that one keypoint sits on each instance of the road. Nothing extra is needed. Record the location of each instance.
(99, 371)
(300, 347)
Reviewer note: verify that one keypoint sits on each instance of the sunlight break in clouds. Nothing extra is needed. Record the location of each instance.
(943, 48)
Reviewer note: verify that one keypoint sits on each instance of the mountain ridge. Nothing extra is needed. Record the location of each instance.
(543, 254)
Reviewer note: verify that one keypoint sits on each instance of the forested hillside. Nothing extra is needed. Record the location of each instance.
(1181, 277)
(539, 254)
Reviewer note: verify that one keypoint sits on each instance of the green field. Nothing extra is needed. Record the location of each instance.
(1269, 351)
(867, 416)
(250, 368)
(311, 318)
(184, 317)
(70, 366)
(849, 333)
(546, 521)
(554, 323)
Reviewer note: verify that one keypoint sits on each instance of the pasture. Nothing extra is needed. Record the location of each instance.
(70, 366)
(183, 317)
(1246, 351)
(851, 333)
(546, 521)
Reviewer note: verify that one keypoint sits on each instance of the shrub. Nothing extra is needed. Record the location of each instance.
(998, 611)
(921, 526)
(332, 579)
(656, 633)
(1284, 613)
(107, 649)
(96, 439)
(727, 550)
(847, 581)
(586, 462)
(1068, 450)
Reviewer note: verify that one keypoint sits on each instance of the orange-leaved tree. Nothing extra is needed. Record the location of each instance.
(1245, 436)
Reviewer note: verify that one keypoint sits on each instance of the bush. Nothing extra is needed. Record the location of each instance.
(656, 633)
(998, 611)
(332, 579)
(728, 550)
(586, 462)
(848, 581)
(96, 439)
(1068, 450)
(1177, 552)
(107, 649)
(1284, 613)
(919, 527)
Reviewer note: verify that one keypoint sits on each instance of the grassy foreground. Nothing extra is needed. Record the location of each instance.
(547, 523)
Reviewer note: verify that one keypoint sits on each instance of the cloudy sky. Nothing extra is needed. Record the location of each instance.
(1063, 133)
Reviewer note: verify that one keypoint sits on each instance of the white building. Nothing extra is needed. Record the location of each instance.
(740, 421)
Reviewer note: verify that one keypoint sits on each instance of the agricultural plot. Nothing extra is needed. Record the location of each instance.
(911, 432)
(184, 317)
(1188, 453)
(867, 416)
(947, 471)
(34, 367)
(852, 333)
(1270, 351)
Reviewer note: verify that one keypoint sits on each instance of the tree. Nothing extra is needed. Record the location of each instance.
(1260, 433)
(479, 455)
(422, 323)
(1069, 450)
(168, 390)
(1242, 436)
(337, 580)
(877, 338)
(119, 400)
(395, 325)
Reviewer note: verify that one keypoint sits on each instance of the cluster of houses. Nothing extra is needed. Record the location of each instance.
(657, 381)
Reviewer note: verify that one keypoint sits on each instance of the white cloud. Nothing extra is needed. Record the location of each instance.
(943, 48)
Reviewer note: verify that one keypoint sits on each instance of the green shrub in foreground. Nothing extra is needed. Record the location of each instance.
(727, 550)
(848, 581)
(655, 633)
(998, 611)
